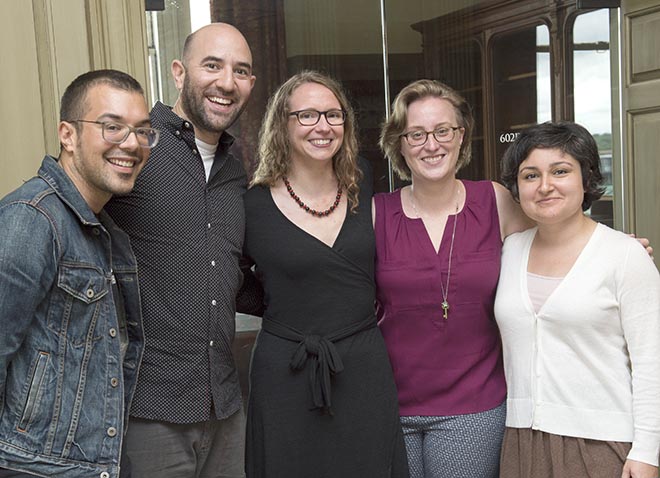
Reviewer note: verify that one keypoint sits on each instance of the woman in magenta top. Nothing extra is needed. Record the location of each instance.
(438, 244)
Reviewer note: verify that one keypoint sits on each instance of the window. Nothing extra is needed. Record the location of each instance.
(592, 94)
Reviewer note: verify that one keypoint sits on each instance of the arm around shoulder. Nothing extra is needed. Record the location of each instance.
(512, 218)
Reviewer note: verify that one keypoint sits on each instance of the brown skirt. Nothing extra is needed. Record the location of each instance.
(528, 453)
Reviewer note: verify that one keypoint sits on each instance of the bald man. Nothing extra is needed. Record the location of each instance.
(186, 221)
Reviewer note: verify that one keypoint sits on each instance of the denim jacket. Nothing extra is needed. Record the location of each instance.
(64, 391)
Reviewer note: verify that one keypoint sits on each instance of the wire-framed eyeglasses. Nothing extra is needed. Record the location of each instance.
(419, 137)
(116, 133)
(312, 117)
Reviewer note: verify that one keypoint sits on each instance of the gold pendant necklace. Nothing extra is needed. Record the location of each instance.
(445, 290)
(445, 303)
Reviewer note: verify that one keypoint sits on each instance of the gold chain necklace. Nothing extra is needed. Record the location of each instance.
(445, 290)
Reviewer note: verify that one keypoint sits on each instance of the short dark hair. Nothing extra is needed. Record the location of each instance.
(187, 46)
(568, 137)
(73, 105)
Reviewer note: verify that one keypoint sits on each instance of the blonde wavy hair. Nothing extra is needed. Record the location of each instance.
(392, 129)
(274, 148)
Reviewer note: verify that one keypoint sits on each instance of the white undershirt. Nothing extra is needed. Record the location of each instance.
(540, 287)
(207, 153)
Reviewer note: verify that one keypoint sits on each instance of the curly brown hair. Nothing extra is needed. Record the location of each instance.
(390, 135)
(274, 148)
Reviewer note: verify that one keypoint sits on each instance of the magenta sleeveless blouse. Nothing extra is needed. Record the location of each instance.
(441, 367)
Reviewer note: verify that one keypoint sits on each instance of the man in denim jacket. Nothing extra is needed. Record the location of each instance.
(70, 325)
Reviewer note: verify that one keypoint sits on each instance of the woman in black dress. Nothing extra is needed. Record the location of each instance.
(322, 398)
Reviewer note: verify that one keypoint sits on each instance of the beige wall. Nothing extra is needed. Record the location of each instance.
(47, 43)
(20, 106)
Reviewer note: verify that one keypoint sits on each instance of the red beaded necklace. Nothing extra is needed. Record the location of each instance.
(308, 209)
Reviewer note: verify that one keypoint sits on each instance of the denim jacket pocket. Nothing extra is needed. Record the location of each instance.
(85, 283)
(81, 289)
(35, 379)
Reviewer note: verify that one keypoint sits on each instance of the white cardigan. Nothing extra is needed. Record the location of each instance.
(588, 364)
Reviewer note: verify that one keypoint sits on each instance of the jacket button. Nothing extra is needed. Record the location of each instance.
(104, 474)
(112, 332)
(112, 431)
(96, 231)
(114, 382)
(89, 293)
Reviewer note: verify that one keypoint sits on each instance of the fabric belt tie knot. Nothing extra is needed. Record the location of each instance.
(325, 361)
(312, 344)
(321, 353)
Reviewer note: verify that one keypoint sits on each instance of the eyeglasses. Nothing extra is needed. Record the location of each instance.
(311, 117)
(117, 133)
(441, 135)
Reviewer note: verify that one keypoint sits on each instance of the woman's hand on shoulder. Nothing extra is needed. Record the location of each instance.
(512, 218)
(637, 469)
(646, 244)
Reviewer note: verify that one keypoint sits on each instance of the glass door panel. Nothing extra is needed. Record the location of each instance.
(592, 95)
(522, 94)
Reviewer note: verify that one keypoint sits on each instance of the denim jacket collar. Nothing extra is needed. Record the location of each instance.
(51, 172)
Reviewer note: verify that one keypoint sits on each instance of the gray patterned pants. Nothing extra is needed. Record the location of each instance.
(458, 446)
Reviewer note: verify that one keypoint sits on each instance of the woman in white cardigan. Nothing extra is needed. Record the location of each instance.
(578, 307)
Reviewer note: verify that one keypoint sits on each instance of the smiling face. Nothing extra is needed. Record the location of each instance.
(319, 142)
(215, 79)
(550, 186)
(100, 169)
(433, 160)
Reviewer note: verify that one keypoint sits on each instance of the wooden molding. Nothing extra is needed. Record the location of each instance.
(117, 36)
(47, 66)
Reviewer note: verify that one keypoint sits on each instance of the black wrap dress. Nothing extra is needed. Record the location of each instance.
(322, 400)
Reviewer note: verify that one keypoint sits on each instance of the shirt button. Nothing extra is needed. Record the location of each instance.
(89, 293)
(194, 151)
(213, 263)
(177, 133)
(104, 474)
(113, 332)
(214, 302)
(114, 382)
(211, 343)
(112, 431)
(208, 226)
(186, 125)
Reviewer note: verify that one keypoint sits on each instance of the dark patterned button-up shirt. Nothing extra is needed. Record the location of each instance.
(187, 235)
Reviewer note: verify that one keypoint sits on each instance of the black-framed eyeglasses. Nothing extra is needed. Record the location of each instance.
(116, 133)
(419, 137)
(311, 117)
